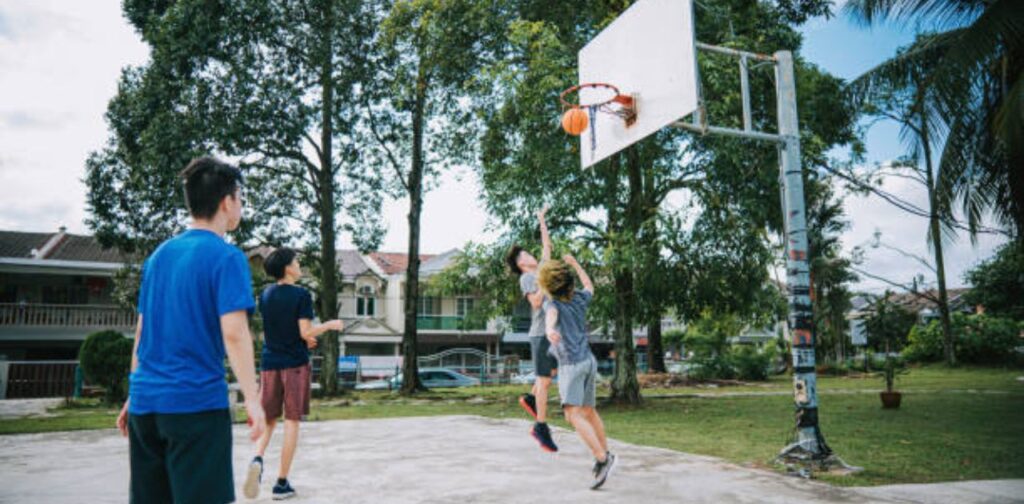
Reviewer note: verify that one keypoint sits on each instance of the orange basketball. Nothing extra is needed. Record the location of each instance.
(574, 121)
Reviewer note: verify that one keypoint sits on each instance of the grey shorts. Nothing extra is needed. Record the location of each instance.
(543, 362)
(577, 383)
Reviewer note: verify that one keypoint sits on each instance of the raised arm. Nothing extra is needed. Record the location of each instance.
(238, 344)
(545, 238)
(584, 277)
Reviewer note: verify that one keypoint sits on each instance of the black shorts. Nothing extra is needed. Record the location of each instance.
(543, 362)
(181, 458)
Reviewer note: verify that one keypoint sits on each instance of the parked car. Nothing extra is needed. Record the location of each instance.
(430, 377)
(523, 379)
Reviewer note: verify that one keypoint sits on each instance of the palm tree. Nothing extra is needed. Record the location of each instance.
(976, 98)
(903, 90)
(962, 90)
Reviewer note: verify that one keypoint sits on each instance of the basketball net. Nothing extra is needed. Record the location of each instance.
(592, 112)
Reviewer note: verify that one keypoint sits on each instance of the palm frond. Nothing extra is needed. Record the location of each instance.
(937, 14)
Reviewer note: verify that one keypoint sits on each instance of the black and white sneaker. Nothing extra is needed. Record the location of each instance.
(283, 490)
(253, 478)
(603, 469)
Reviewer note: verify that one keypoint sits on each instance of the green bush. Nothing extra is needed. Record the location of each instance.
(750, 364)
(978, 339)
(105, 358)
(716, 367)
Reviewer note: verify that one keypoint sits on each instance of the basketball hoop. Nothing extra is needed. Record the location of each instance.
(617, 104)
(574, 120)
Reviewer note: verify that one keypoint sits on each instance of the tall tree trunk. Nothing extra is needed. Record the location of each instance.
(655, 348)
(410, 368)
(328, 252)
(625, 387)
(936, 235)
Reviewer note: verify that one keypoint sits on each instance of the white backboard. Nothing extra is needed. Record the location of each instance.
(648, 51)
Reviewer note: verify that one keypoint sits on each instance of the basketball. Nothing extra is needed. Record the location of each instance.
(574, 121)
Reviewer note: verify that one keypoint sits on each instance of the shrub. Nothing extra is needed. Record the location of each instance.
(105, 358)
(750, 364)
(716, 367)
(978, 339)
(982, 339)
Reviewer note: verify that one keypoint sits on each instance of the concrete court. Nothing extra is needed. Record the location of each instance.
(451, 459)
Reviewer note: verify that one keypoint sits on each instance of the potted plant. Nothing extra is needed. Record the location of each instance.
(892, 368)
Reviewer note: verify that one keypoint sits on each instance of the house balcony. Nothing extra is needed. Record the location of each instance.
(65, 316)
(448, 323)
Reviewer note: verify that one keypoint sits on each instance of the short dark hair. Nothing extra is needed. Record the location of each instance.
(512, 259)
(207, 181)
(278, 260)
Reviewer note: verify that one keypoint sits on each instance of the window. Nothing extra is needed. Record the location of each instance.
(429, 306)
(366, 302)
(463, 306)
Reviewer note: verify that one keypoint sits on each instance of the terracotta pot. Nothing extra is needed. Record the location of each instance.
(890, 400)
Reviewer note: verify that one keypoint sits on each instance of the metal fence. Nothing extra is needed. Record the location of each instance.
(65, 315)
(32, 379)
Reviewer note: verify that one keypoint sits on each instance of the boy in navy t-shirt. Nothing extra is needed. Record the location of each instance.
(288, 334)
(194, 301)
(565, 315)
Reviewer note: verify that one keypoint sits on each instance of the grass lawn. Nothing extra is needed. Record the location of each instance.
(941, 433)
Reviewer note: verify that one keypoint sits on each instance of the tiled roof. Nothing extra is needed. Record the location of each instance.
(70, 247)
(352, 264)
(351, 261)
(83, 248)
(393, 263)
(20, 245)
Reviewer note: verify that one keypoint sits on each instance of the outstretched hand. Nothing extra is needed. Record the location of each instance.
(570, 260)
(543, 211)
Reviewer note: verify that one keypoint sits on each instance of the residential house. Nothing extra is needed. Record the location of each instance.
(55, 289)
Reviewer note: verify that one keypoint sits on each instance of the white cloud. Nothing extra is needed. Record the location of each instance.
(909, 233)
(61, 63)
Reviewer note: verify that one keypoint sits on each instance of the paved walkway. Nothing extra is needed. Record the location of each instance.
(13, 408)
(449, 459)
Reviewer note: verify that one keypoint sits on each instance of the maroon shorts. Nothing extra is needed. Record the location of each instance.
(288, 387)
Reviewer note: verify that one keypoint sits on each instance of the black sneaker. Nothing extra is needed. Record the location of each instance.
(542, 434)
(283, 490)
(529, 403)
(602, 470)
(253, 478)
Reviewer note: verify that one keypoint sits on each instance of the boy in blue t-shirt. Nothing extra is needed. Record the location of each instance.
(288, 334)
(194, 301)
(565, 312)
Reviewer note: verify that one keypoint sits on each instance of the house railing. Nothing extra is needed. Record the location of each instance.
(61, 315)
(448, 323)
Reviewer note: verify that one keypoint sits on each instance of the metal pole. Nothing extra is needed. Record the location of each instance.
(718, 130)
(745, 92)
(798, 277)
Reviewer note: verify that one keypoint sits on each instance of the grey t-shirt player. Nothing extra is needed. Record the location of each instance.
(528, 284)
(574, 346)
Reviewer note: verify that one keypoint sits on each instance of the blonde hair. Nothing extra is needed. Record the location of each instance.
(556, 280)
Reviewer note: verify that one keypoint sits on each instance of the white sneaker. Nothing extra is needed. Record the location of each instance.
(253, 478)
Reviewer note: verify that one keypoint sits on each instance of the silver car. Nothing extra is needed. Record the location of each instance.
(430, 377)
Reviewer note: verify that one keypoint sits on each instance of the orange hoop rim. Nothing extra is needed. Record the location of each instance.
(617, 97)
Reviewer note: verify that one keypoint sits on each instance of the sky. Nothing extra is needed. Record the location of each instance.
(62, 60)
